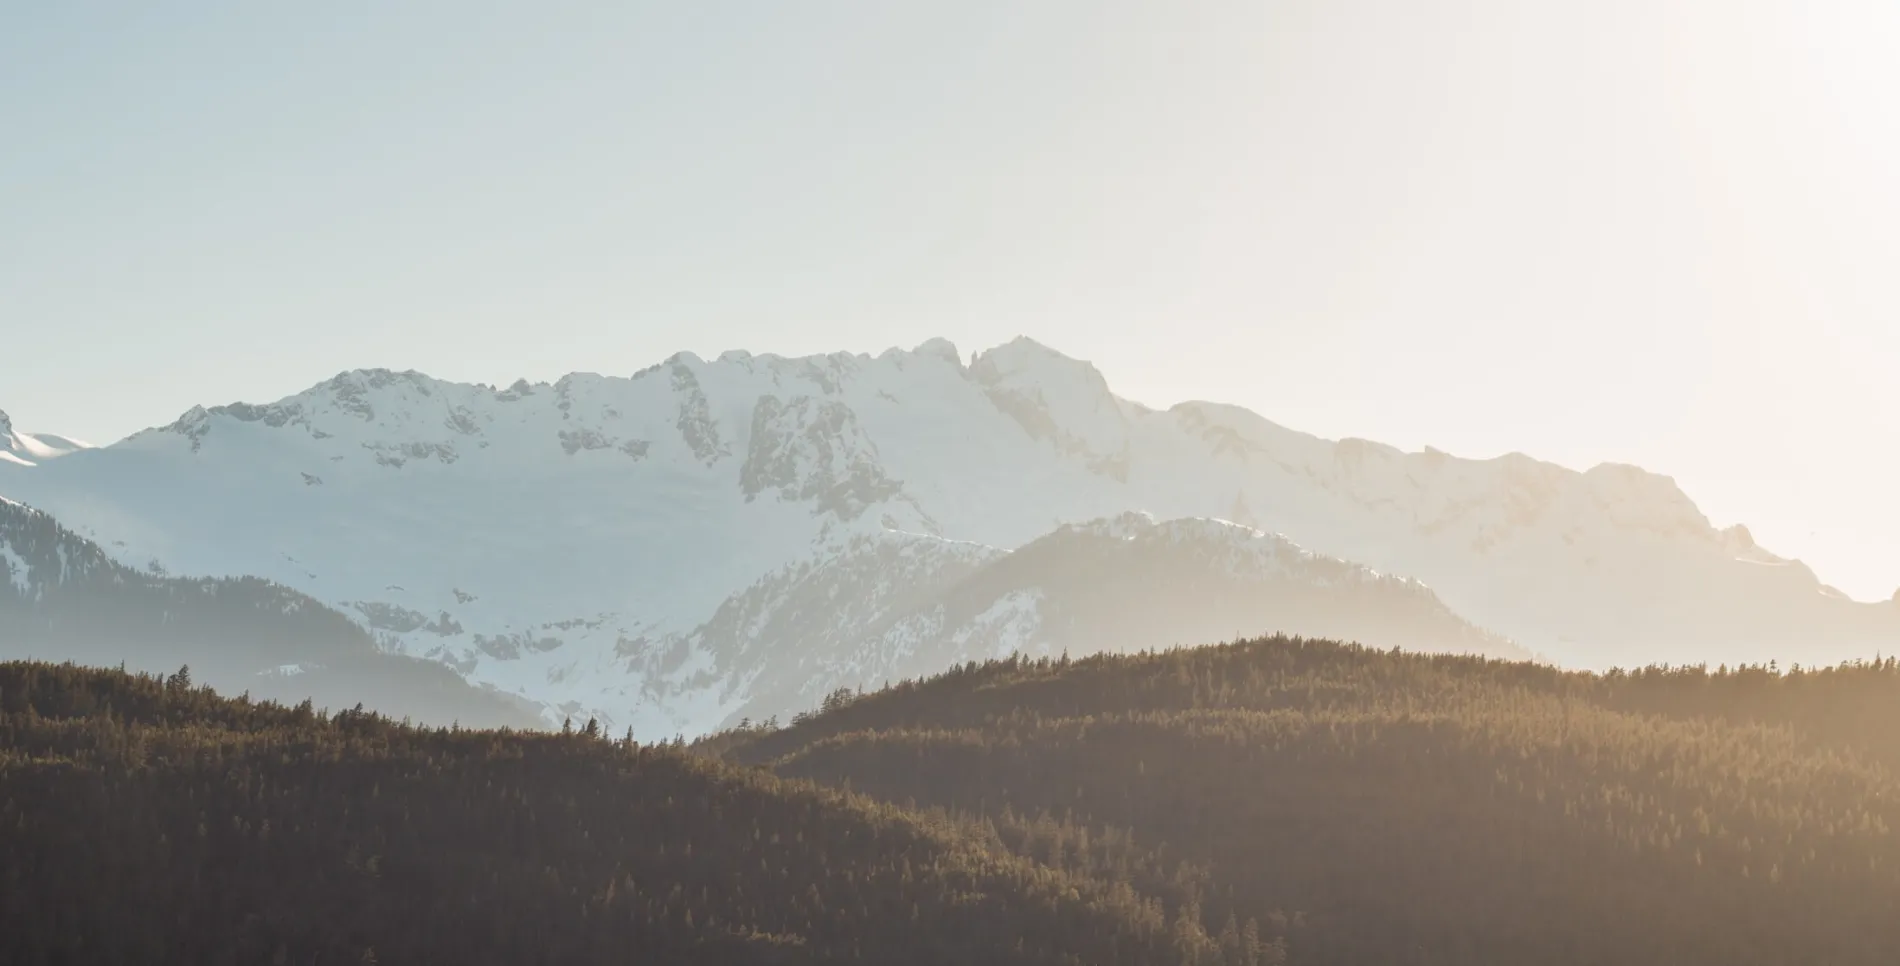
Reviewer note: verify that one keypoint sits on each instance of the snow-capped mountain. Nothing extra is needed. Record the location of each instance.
(583, 541)
(27, 449)
(902, 605)
(62, 598)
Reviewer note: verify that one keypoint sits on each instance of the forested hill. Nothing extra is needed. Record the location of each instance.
(147, 820)
(1268, 801)
(1391, 807)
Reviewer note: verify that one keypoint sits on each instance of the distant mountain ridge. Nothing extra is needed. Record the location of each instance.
(913, 605)
(577, 541)
(62, 598)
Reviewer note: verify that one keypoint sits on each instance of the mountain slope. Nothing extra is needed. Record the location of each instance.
(1413, 809)
(153, 822)
(62, 597)
(907, 606)
(572, 541)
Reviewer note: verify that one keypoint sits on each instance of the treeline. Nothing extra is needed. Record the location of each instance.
(1406, 808)
(148, 820)
(1270, 801)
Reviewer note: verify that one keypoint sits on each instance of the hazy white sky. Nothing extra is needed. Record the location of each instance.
(1651, 232)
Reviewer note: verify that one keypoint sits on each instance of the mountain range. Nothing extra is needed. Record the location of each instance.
(63, 598)
(708, 540)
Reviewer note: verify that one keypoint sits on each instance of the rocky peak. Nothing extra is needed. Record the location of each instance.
(1023, 362)
(812, 449)
(940, 348)
(1058, 399)
(1635, 497)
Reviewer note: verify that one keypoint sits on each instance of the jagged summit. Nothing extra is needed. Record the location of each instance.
(1030, 368)
(1059, 400)
(940, 348)
(1024, 354)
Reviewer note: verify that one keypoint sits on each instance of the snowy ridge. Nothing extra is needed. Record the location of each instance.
(1116, 584)
(895, 605)
(1238, 549)
(642, 547)
(1061, 401)
(28, 449)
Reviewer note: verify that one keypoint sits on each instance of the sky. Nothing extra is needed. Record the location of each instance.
(1661, 233)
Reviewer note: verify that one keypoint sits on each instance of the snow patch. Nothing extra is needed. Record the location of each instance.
(18, 571)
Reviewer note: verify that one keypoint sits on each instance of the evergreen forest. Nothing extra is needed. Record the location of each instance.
(1368, 806)
(1269, 801)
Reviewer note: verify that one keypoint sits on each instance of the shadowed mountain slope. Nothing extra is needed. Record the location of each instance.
(63, 598)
